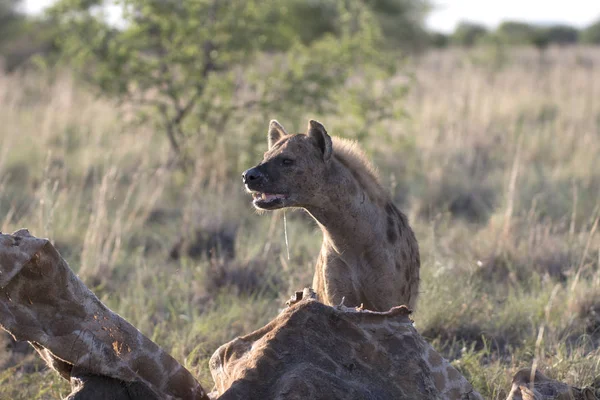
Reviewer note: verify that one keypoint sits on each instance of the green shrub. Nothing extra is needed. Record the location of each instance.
(591, 34)
(179, 63)
(468, 34)
(439, 40)
(515, 32)
(561, 34)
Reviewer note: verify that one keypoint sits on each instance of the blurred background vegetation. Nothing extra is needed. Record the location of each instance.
(125, 130)
(254, 26)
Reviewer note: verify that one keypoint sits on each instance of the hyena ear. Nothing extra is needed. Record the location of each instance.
(317, 131)
(276, 132)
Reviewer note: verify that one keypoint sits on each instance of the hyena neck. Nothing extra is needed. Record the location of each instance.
(349, 216)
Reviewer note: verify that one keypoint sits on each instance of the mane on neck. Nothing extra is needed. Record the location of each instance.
(352, 157)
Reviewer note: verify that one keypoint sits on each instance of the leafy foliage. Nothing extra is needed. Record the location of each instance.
(439, 40)
(591, 34)
(468, 33)
(10, 19)
(522, 33)
(8, 12)
(516, 32)
(21, 36)
(401, 22)
(561, 34)
(181, 61)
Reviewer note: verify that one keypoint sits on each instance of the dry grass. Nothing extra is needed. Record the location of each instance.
(497, 164)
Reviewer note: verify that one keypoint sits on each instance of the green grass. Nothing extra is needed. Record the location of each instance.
(496, 164)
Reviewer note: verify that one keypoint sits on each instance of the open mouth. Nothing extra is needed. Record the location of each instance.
(268, 200)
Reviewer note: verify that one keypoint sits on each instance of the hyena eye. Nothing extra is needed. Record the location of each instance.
(287, 161)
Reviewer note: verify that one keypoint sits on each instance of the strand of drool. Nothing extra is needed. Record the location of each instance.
(287, 244)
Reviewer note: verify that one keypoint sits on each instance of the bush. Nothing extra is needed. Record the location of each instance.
(561, 34)
(439, 40)
(468, 34)
(401, 22)
(591, 34)
(522, 33)
(179, 63)
(33, 37)
(10, 19)
(21, 36)
(514, 32)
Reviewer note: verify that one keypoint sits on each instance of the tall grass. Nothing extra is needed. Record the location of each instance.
(496, 162)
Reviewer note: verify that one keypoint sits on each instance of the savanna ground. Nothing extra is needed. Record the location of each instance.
(496, 161)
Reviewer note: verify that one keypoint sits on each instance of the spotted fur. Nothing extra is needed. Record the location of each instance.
(369, 253)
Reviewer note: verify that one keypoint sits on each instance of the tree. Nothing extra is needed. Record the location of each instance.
(439, 40)
(178, 62)
(522, 33)
(468, 33)
(591, 34)
(401, 22)
(517, 33)
(21, 36)
(8, 11)
(561, 34)
(10, 19)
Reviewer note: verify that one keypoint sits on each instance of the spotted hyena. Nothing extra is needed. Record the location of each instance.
(369, 254)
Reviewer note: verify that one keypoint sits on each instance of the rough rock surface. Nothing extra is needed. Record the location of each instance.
(314, 351)
(43, 302)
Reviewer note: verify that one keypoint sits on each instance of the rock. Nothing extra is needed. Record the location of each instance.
(314, 351)
(43, 302)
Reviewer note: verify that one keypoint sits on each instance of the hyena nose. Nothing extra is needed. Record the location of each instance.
(252, 175)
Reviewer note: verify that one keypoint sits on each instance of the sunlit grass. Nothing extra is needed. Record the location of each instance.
(496, 164)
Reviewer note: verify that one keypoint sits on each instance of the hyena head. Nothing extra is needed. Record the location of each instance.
(293, 170)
